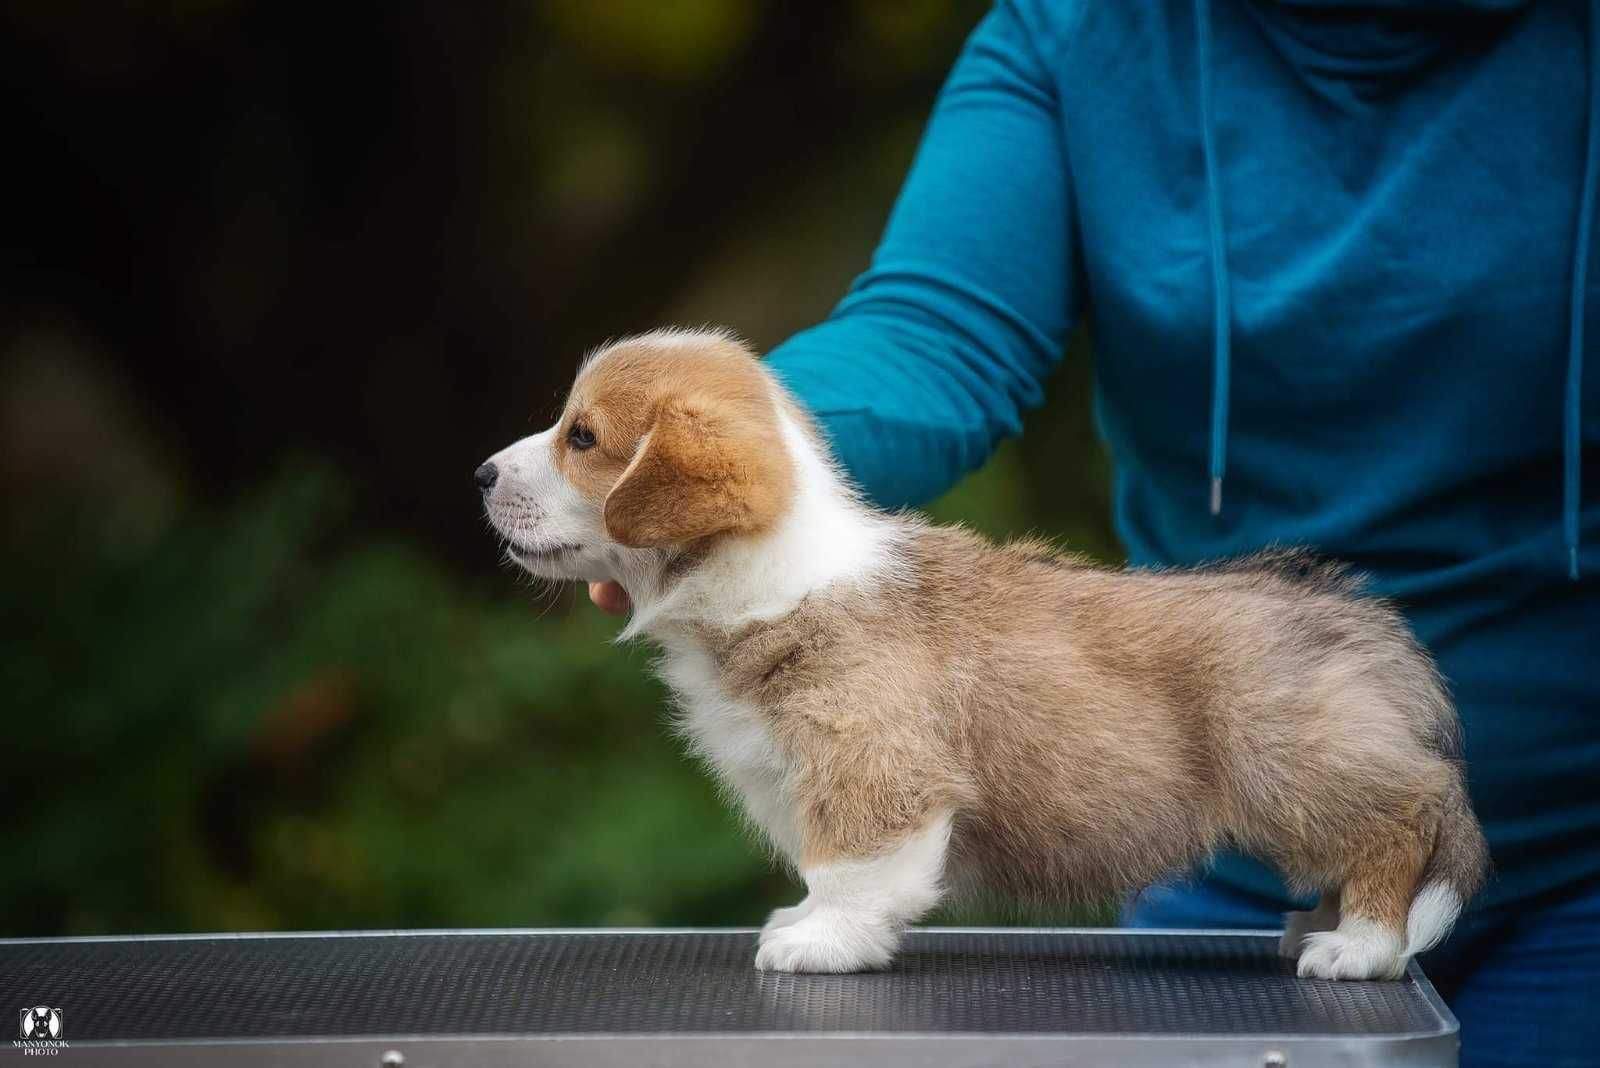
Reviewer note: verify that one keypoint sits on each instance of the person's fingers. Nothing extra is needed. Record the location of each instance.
(609, 597)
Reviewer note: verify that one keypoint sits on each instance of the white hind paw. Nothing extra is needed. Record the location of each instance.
(1359, 949)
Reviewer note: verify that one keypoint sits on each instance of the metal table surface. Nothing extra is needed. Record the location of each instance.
(427, 999)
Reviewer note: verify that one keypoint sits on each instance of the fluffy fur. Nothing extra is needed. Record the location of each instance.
(908, 711)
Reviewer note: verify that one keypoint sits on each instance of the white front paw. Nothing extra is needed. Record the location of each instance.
(822, 942)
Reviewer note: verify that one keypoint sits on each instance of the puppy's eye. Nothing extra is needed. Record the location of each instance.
(580, 437)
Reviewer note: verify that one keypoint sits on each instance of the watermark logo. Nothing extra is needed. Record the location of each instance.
(42, 1031)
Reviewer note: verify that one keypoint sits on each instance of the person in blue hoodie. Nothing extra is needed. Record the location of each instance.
(1334, 262)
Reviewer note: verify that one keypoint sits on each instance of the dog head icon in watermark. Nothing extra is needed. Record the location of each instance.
(41, 1022)
(41, 1030)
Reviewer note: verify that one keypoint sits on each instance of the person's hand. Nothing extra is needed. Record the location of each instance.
(609, 597)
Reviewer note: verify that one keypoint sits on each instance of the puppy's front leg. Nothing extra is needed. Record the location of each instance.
(857, 907)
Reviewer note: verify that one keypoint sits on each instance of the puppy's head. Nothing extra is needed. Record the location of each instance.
(667, 441)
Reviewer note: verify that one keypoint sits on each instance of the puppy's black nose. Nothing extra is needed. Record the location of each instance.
(485, 476)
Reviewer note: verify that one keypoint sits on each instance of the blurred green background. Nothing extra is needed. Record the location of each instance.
(278, 279)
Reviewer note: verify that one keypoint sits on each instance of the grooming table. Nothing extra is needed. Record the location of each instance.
(970, 997)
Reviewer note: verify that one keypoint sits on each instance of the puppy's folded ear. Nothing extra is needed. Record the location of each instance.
(704, 468)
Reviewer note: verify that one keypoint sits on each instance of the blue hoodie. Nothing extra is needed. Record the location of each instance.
(1334, 262)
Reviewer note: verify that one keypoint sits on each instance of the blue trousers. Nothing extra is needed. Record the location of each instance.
(1524, 979)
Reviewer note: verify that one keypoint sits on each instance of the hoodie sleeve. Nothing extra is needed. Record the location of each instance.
(937, 350)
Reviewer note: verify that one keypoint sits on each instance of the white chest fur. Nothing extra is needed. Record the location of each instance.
(732, 737)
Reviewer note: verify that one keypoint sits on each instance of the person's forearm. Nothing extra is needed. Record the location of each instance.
(908, 408)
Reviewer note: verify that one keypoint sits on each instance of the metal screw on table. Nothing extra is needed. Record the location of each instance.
(1274, 1059)
(392, 1058)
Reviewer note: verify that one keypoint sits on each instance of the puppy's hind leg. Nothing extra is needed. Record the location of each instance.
(857, 907)
(1370, 940)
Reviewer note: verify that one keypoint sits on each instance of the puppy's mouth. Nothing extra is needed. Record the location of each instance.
(544, 554)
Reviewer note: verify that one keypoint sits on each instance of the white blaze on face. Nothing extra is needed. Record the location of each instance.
(550, 528)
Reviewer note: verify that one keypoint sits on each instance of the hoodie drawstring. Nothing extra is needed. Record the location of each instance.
(1572, 468)
(1221, 343)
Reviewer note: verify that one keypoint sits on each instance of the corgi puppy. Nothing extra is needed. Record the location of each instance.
(909, 712)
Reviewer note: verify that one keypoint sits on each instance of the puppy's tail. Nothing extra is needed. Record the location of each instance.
(1455, 871)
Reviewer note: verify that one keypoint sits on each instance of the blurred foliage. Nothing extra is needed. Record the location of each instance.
(286, 276)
